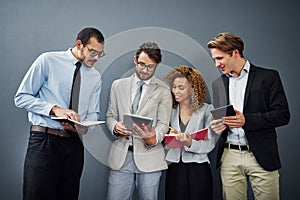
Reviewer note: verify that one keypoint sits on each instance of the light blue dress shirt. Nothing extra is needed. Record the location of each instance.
(48, 82)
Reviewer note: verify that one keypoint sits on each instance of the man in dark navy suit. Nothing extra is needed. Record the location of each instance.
(247, 148)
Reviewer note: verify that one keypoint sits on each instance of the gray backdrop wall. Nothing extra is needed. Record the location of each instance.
(28, 28)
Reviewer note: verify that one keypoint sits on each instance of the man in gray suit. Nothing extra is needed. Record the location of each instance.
(137, 157)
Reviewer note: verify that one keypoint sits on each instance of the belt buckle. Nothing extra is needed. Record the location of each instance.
(229, 146)
(248, 148)
(240, 147)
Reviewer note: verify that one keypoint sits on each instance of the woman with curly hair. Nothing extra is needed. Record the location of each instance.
(189, 174)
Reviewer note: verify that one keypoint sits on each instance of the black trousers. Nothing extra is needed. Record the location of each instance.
(188, 181)
(53, 167)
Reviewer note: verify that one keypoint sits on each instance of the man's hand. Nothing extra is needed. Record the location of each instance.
(149, 136)
(62, 112)
(71, 114)
(121, 129)
(236, 121)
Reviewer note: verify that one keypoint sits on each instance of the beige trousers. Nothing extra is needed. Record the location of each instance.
(236, 166)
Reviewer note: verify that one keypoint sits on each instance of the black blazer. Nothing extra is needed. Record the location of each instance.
(265, 108)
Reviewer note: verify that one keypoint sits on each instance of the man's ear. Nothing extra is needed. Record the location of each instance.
(134, 60)
(78, 44)
(236, 52)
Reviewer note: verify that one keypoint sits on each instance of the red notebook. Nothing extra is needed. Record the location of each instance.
(171, 142)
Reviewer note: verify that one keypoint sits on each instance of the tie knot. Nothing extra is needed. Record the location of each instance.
(141, 83)
(78, 64)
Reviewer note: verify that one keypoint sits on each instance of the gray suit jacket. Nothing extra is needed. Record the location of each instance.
(199, 149)
(157, 104)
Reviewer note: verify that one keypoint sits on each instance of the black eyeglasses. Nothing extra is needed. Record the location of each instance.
(94, 53)
(150, 67)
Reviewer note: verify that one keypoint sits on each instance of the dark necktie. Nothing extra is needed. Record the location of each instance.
(137, 97)
(75, 88)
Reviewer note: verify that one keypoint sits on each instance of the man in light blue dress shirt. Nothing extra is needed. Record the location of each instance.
(54, 158)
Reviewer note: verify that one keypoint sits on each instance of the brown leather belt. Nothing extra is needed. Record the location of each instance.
(57, 132)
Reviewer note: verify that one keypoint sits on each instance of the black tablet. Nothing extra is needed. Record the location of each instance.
(223, 111)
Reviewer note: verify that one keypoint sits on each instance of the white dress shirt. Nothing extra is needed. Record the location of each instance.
(237, 87)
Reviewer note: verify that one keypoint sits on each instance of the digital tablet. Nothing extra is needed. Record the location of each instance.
(223, 111)
(129, 119)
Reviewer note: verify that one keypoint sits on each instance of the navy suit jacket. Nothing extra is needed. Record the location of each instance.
(265, 108)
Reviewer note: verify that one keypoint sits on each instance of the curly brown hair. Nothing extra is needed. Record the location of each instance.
(197, 83)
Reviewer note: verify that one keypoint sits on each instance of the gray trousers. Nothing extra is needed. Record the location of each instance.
(121, 183)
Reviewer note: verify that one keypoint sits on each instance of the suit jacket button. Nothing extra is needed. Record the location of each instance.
(127, 138)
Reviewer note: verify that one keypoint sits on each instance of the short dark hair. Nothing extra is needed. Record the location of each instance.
(151, 49)
(87, 33)
(227, 42)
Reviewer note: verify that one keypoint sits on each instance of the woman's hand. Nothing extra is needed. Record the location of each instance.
(184, 138)
(218, 126)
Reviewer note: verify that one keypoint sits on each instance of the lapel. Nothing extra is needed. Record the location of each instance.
(226, 86)
(249, 83)
(127, 91)
(192, 124)
(175, 119)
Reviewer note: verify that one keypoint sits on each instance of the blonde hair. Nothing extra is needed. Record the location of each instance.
(227, 42)
(196, 81)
